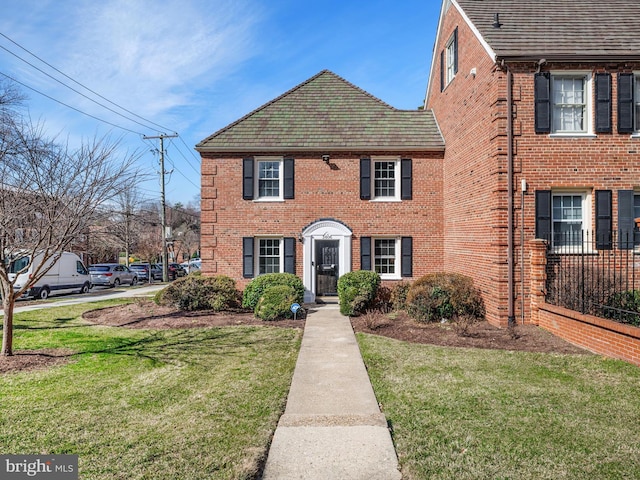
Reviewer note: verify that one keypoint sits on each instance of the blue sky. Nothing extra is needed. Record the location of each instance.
(194, 66)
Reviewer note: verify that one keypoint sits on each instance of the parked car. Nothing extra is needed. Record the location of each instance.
(192, 265)
(175, 270)
(142, 270)
(68, 274)
(112, 274)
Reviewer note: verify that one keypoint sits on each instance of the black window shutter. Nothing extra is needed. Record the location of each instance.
(365, 179)
(406, 185)
(365, 253)
(290, 255)
(603, 103)
(455, 51)
(542, 92)
(247, 178)
(626, 220)
(289, 178)
(247, 257)
(406, 267)
(625, 103)
(442, 70)
(603, 219)
(543, 214)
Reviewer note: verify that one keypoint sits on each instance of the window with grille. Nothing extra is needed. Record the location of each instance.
(385, 256)
(269, 258)
(269, 178)
(569, 98)
(568, 219)
(385, 179)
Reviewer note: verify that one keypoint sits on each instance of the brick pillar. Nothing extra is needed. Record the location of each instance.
(538, 249)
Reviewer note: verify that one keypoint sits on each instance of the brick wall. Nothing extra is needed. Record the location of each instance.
(599, 335)
(471, 112)
(321, 191)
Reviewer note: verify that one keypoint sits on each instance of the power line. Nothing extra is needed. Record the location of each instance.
(76, 91)
(196, 170)
(182, 174)
(190, 150)
(78, 83)
(69, 106)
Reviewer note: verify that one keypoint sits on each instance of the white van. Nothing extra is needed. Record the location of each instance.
(67, 275)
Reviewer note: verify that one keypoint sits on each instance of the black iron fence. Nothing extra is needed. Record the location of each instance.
(595, 275)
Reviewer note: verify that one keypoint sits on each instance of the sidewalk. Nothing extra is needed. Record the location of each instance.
(61, 301)
(332, 427)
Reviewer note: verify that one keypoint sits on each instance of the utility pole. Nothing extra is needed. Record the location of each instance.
(163, 214)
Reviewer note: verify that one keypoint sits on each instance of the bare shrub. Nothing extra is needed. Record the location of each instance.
(462, 324)
(376, 319)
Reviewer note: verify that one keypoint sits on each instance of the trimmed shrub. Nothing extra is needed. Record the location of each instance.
(256, 287)
(198, 292)
(447, 296)
(276, 303)
(624, 307)
(356, 291)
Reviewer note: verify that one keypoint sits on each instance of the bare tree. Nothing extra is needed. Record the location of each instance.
(185, 228)
(148, 232)
(49, 195)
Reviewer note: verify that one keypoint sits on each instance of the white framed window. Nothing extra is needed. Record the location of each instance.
(451, 58)
(270, 258)
(386, 179)
(269, 178)
(571, 103)
(386, 257)
(570, 219)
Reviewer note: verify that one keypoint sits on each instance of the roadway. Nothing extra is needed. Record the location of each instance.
(95, 295)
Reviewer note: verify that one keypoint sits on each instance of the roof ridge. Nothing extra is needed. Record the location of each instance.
(289, 92)
(373, 97)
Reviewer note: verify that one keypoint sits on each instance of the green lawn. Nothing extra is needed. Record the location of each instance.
(487, 414)
(148, 404)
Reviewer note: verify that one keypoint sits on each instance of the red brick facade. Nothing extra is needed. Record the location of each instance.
(472, 114)
(322, 190)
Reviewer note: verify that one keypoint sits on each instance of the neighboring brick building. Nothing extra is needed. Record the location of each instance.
(542, 94)
(573, 142)
(323, 180)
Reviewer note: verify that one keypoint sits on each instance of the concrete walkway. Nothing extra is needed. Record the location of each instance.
(332, 427)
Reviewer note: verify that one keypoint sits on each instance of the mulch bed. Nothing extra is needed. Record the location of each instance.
(24, 360)
(146, 314)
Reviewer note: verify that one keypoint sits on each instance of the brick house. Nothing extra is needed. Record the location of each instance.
(323, 180)
(538, 104)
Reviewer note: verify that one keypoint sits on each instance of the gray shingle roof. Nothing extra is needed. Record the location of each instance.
(559, 28)
(327, 113)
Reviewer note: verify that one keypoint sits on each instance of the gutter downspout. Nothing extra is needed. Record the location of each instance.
(510, 246)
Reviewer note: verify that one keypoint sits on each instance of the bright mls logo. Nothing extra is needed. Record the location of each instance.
(45, 467)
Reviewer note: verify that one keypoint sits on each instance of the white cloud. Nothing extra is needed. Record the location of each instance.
(151, 57)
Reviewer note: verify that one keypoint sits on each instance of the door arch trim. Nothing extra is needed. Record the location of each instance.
(324, 229)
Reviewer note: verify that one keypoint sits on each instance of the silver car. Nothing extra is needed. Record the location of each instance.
(112, 275)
